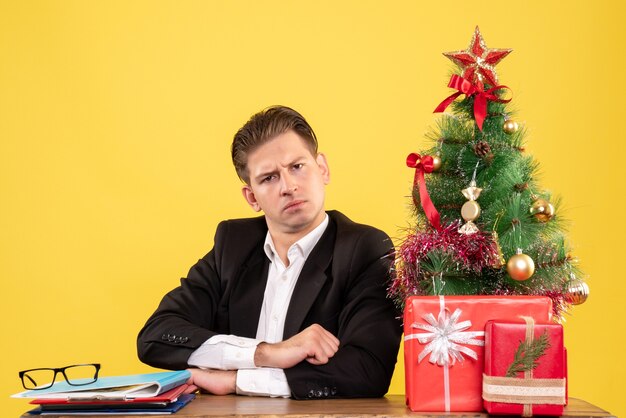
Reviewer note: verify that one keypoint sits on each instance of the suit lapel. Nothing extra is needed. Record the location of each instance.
(310, 282)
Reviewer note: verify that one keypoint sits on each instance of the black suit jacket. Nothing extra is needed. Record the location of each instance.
(342, 287)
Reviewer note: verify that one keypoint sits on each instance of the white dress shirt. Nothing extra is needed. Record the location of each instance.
(230, 352)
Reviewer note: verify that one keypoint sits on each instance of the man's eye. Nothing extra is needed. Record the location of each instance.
(267, 179)
(298, 166)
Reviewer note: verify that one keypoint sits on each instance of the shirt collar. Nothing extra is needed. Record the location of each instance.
(304, 245)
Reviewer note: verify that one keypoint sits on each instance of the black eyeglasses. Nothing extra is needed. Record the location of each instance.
(75, 375)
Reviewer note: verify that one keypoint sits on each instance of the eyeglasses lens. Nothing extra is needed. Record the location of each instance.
(38, 379)
(81, 375)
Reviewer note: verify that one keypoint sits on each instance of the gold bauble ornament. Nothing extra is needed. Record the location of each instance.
(470, 211)
(510, 127)
(577, 291)
(436, 162)
(520, 267)
(542, 210)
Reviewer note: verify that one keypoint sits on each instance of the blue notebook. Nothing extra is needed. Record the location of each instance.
(113, 387)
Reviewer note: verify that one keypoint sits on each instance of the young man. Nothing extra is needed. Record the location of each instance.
(292, 303)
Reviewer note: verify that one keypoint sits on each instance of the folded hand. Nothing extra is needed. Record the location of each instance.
(314, 344)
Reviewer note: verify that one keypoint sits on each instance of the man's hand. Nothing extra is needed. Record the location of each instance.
(314, 344)
(217, 382)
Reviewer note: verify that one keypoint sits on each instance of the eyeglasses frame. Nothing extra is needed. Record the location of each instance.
(57, 371)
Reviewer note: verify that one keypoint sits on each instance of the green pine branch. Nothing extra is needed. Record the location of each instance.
(527, 355)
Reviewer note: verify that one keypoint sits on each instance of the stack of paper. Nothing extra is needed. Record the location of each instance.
(152, 393)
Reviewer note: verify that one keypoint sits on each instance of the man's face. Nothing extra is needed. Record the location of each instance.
(287, 184)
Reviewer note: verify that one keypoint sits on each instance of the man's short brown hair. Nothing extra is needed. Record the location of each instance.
(265, 126)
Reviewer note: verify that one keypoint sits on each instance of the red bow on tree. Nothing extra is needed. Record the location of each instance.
(424, 164)
(466, 87)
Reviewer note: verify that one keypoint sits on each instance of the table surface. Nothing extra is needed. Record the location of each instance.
(389, 406)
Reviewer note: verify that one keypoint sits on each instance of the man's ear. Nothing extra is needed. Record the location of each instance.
(248, 194)
(323, 165)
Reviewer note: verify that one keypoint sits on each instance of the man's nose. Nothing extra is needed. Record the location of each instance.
(288, 184)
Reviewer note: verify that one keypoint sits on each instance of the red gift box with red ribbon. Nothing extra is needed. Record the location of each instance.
(525, 368)
(444, 346)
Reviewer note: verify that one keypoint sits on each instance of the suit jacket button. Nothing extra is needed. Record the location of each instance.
(326, 391)
(164, 337)
(171, 338)
(333, 391)
(185, 339)
(318, 394)
(310, 394)
(178, 340)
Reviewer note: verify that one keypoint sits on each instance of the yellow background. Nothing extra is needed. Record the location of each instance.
(116, 119)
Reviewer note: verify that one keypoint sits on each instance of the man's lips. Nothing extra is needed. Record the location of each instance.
(293, 205)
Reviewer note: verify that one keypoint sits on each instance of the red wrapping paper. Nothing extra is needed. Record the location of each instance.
(457, 387)
(502, 340)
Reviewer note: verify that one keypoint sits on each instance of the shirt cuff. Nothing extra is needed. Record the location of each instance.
(264, 381)
(225, 352)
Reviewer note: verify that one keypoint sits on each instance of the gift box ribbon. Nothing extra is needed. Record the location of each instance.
(528, 390)
(524, 391)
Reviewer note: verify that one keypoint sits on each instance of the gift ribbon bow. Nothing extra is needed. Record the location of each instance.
(466, 87)
(445, 336)
(424, 164)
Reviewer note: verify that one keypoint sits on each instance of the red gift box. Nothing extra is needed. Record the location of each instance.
(443, 346)
(539, 391)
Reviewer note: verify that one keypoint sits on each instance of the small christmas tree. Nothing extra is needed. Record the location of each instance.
(484, 226)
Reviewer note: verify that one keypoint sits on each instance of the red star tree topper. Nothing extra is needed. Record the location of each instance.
(478, 61)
